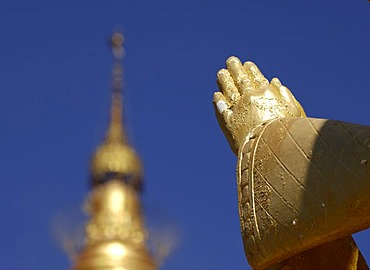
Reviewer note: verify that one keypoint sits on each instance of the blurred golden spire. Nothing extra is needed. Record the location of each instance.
(115, 157)
(115, 234)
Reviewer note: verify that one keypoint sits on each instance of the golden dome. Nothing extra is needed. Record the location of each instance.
(116, 159)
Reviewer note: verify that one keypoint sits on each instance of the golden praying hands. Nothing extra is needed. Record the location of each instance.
(302, 182)
(248, 99)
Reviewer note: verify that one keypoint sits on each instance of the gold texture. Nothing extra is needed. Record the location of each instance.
(302, 182)
(115, 234)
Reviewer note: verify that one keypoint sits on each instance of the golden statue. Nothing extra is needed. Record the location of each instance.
(303, 183)
(115, 234)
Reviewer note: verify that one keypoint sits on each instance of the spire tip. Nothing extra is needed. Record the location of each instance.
(117, 44)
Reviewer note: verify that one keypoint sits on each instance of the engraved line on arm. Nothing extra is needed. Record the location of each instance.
(270, 216)
(353, 136)
(327, 179)
(251, 173)
(330, 151)
(278, 194)
(240, 183)
(290, 173)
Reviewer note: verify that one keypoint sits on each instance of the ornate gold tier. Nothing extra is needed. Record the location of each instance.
(115, 233)
(114, 255)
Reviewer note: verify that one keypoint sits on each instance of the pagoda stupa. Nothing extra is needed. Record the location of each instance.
(115, 233)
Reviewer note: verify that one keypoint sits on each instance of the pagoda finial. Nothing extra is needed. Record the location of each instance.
(115, 131)
(115, 158)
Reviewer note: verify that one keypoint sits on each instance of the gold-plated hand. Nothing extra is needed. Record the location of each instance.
(246, 99)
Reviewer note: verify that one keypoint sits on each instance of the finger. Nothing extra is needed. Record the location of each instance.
(237, 72)
(275, 84)
(221, 105)
(283, 90)
(290, 99)
(255, 74)
(301, 110)
(227, 86)
(286, 94)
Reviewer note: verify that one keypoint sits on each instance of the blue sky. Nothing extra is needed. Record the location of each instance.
(54, 100)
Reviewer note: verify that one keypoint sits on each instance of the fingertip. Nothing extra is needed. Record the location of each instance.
(218, 96)
(248, 63)
(220, 102)
(255, 74)
(286, 94)
(232, 60)
(222, 72)
(221, 106)
(276, 82)
(251, 66)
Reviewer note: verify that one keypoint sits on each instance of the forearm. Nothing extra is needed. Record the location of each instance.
(302, 182)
